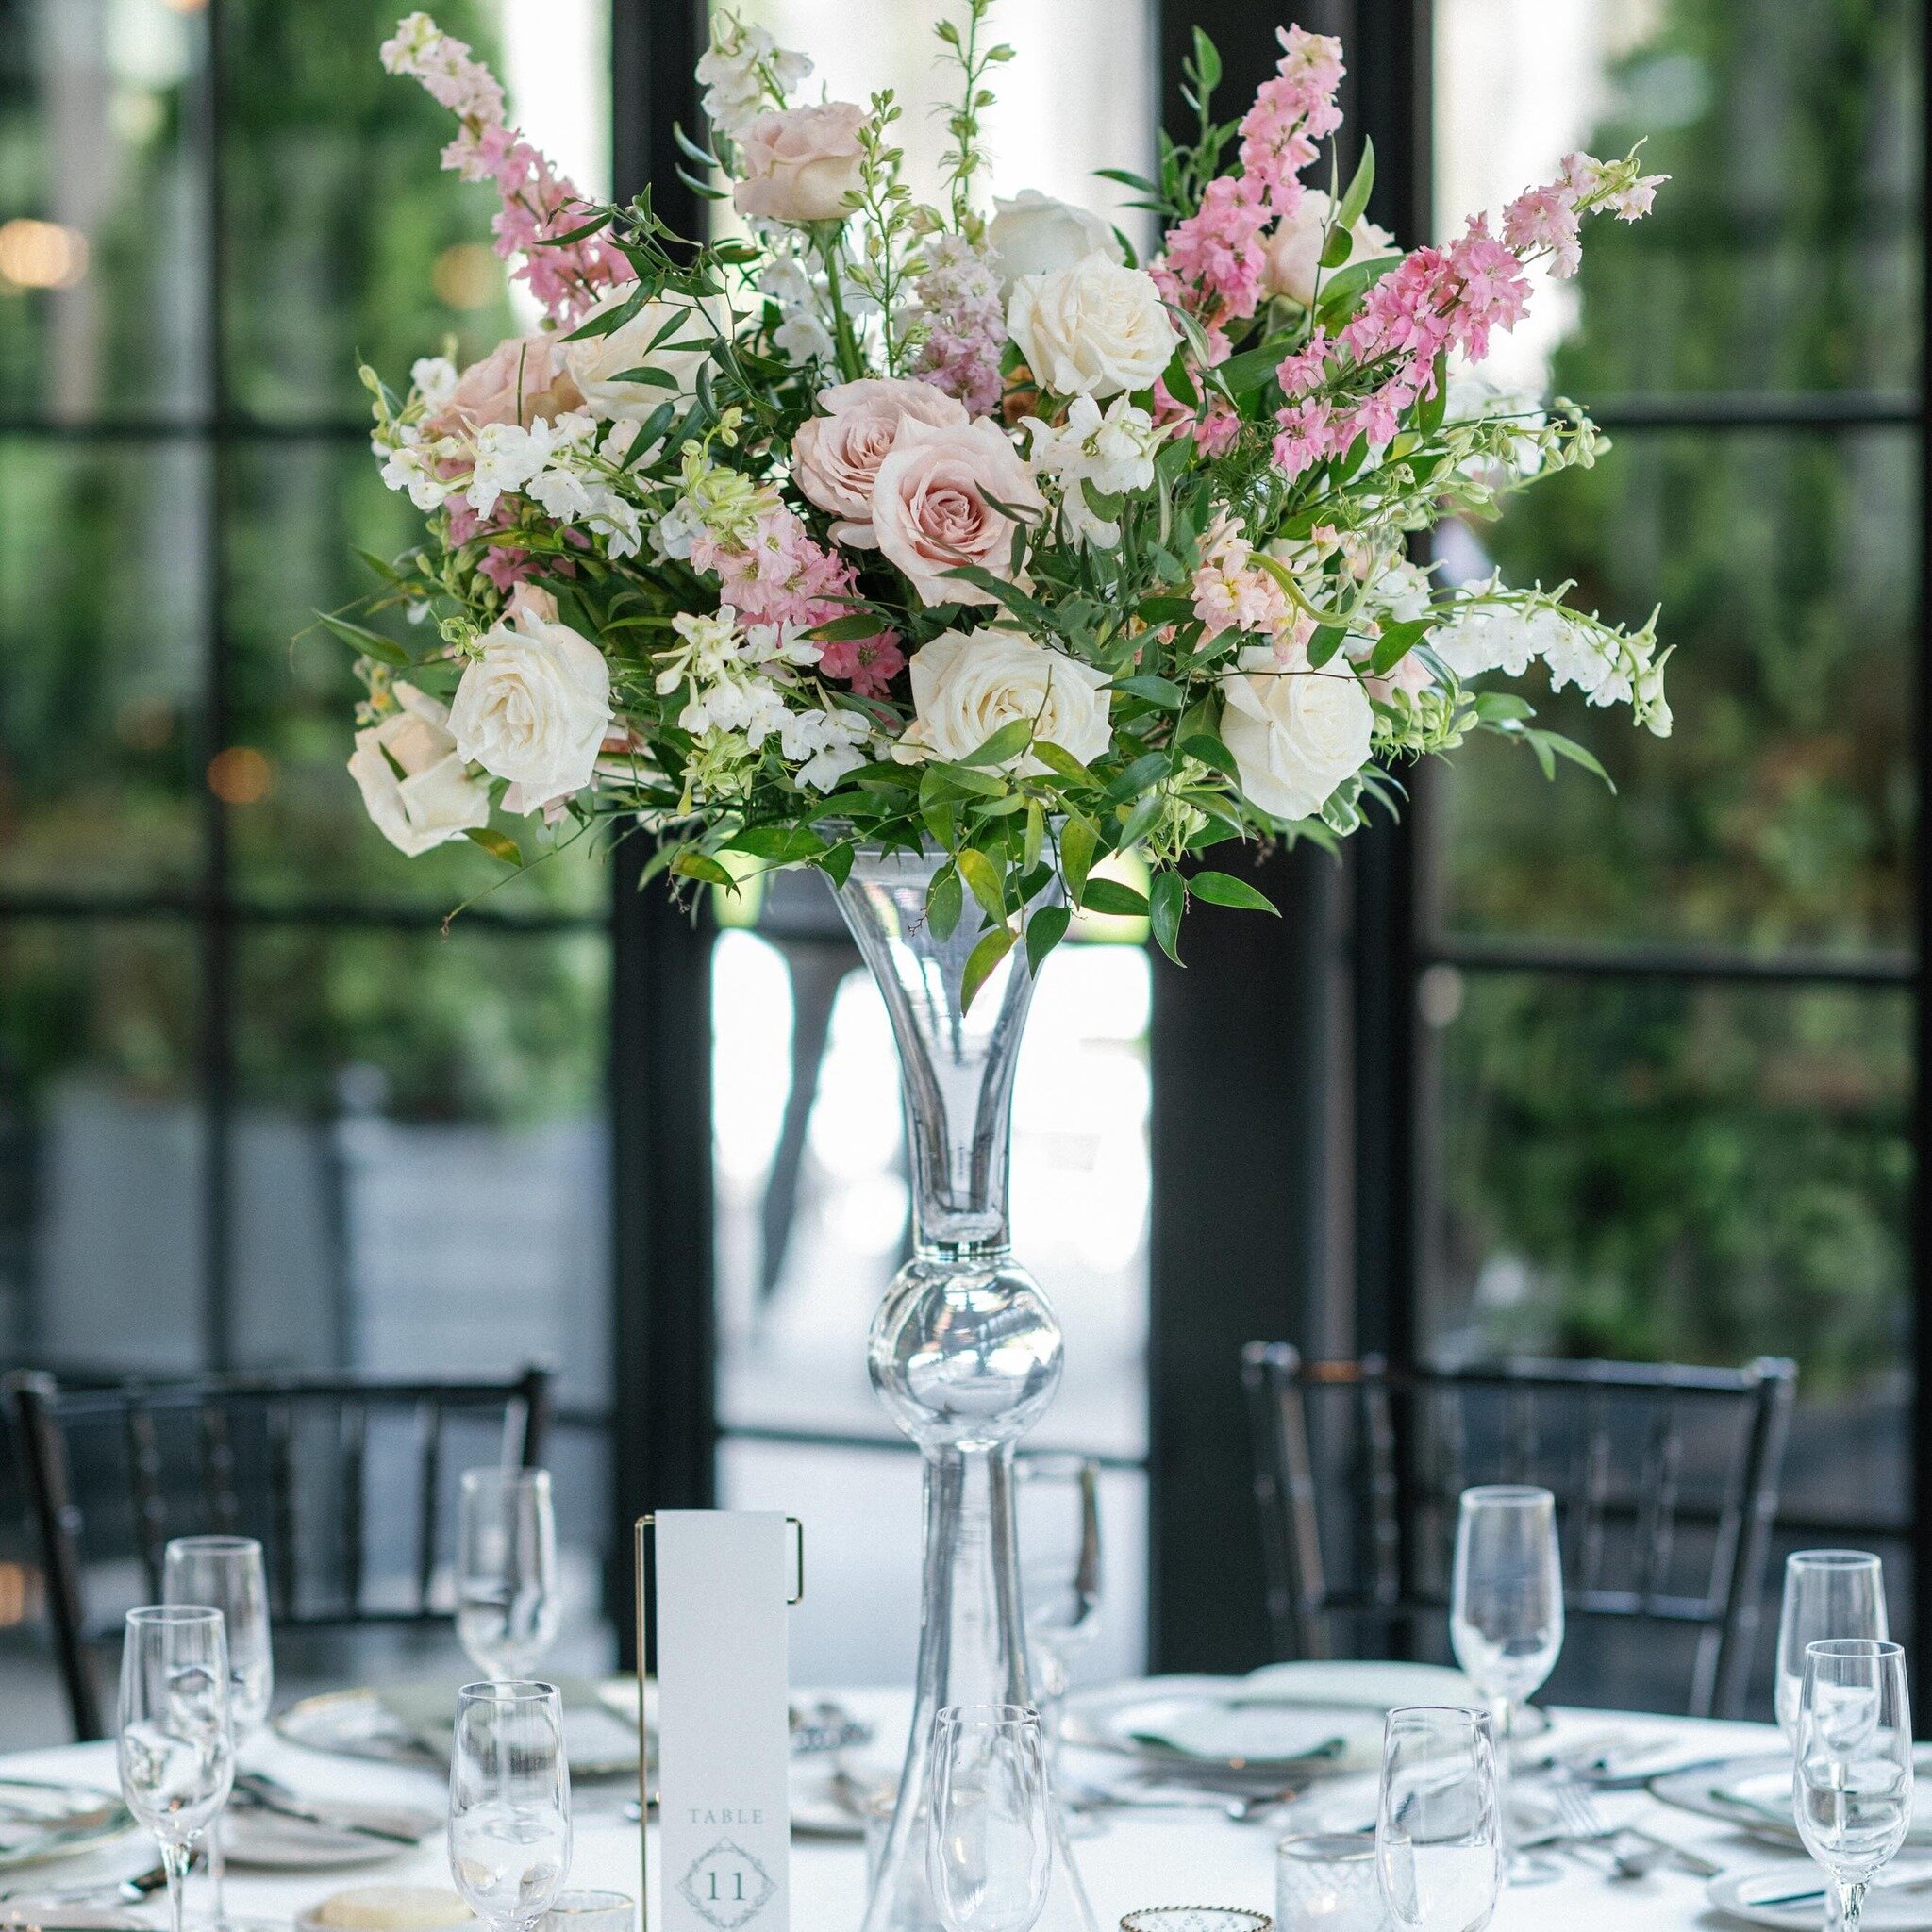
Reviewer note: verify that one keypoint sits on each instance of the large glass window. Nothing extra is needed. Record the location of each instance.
(1668, 1111)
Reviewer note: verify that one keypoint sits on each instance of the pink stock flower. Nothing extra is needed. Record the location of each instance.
(1228, 593)
(1545, 218)
(1218, 250)
(957, 298)
(868, 664)
(1292, 112)
(1494, 290)
(784, 577)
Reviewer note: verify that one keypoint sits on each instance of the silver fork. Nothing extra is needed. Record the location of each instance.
(1583, 1824)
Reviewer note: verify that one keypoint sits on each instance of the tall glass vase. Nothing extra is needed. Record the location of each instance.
(965, 1350)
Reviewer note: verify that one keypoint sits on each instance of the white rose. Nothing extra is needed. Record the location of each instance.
(1091, 329)
(966, 684)
(533, 706)
(1035, 235)
(1295, 733)
(1294, 257)
(595, 362)
(434, 799)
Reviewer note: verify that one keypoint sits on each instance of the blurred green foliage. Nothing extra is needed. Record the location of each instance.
(1707, 1172)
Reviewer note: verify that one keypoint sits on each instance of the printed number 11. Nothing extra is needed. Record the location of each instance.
(737, 1886)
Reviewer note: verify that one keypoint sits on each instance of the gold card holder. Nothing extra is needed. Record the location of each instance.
(730, 1885)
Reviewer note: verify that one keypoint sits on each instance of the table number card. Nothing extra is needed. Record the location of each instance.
(723, 1727)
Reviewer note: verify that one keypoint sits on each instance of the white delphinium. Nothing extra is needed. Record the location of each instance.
(824, 743)
(411, 464)
(743, 72)
(1114, 452)
(804, 334)
(434, 379)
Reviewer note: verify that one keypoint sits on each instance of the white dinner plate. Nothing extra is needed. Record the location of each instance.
(44, 1817)
(1301, 1719)
(1754, 1794)
(267, 1839)
(1900, 1904)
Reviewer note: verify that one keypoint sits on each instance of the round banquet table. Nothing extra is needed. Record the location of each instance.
(1132, 1858)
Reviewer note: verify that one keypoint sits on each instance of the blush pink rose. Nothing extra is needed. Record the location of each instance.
(930, 511)
(526, 370)
(800, 163)
(835, 457)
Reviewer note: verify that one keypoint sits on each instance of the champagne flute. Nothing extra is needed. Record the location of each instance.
(990, 1853)
(507, 1600)
(1057, 1500)
(226, 1572)
(175, 1751)
(1505, 1618)
(1439, 1832)
(509, 1801)
(1852, 1784)
(1828, 1594)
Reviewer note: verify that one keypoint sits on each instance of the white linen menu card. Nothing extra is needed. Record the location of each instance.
(723, 1724)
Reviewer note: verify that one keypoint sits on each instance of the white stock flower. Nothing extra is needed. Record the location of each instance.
(413, 776)
(824, 744)
(1295, 733)
(1035, 235)
(411, 465)
(435, 379)
(735, 90)
(533, 705)
(596, 362)
(1091, 329)
(1113, 452)
(966, 684)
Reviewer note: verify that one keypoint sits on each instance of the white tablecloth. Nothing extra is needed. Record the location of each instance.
(1134, 1858)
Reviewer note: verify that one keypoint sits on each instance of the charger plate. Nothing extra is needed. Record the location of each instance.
(1754, 1794)
(1903, 1905)
(42, 1819)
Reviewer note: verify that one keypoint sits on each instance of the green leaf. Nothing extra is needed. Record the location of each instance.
(1324, 644)
(983, 878)
(1501, 708)
(963, 778)
(945, 902)
(1397, 641)
(696, 865)
(495, 843)
(847, 629)
(1167, 902)
(1044, 931)
(1576, 754)
(1435, 405)
(1114, 899)
(1206, 62)
(1355, 202)
(837, 863)
(1144, 771)
(980, 962)
(1221, 889)
(1058, 759)
(370, 644)
(1180, 385)
(1034, 837)
(1157, 691)
(1008, 741)
(1336, 248)
(783, 844)
(1252, 369)
(645, 373)
(1079, 841)
(1210, 750)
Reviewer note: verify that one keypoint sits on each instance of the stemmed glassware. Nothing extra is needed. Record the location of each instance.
(1506, 1617)
(1439, 1833)
(225, 1571)
(1828, 1594)
(1056, 1497)
(508, 1606)
(177, 1752)
(1852, 1788)
(990, 1853)
(509, 1802)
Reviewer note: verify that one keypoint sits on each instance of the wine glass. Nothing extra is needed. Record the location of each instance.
(509, 1801)
(1506, 1617)
(1828, 1594)
(1852, 1790)
(226, 1572)
(506, 1601)
(990, 1853)
(177, 1752)
(1439, 1833)
(1056, 1501)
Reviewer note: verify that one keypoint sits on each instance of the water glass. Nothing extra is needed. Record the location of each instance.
(989, 1852)
(506, 1599)
(226, 1572)
(1852, 1790)
(176, 1753)
(509, 1801)
(1329, 1882)
(1438, 1835)
(1506, 1615)
(1828, 1594)
(1057, 1502)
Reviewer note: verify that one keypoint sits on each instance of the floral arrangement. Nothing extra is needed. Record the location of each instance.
(884, 524)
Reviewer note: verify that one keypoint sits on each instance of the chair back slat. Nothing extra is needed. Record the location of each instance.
(291, 1459)
(1651, 1531)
